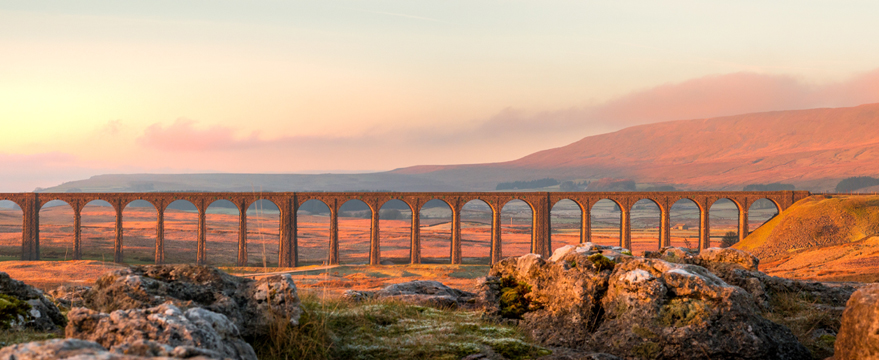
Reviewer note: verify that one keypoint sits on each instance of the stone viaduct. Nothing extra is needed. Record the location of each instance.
(288, 202)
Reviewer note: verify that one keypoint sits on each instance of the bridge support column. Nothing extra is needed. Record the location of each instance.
(200, 256)
(77, 233)
(242, 232)
(30, 228)
(743, 224)
(496, 246)
(160, 233)
(287, 246)
(333, 256)
(117, 248)
(585, 224)
(374, 245)
(665, 229)
(455, 255)
(626, 228)
(704, 228)
(415, 236)
(294, 234)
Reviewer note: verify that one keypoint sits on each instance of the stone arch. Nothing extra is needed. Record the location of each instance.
(11, 221)
(565, 222)
(476, 223)
(98, 229)
(395, 217)
(312, 227)
(139, 219)
(723, 216)
(644, 224)
(606, 218)
(355, 225)
(760, 211)
(517, 229)
(436, 216)
(181, 231)
(685, 216)
(263, 232)
(56, 230)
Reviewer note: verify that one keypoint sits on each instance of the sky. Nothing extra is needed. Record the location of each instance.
(186, 86)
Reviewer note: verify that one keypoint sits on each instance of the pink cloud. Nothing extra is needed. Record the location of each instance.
(183, 136)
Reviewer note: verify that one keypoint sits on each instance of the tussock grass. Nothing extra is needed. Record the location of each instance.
(18, 336)
(339, 329)
(798, 312)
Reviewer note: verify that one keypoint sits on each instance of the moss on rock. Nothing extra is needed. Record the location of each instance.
(601, 262)
(11, 310)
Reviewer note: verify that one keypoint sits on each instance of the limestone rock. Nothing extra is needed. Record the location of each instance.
(69, 296)
(43, 314)
(858, 336)
(164, 330)
(76, 349)
(637, 307)
(250, 304)
(422, 292)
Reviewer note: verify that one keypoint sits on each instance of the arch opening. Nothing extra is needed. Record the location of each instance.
(263, 233)
(221, 240)
(312, 232)
(646, 218)
(476, 232)
(606, 222)
(760, 212)
(395, 225)
(98, 231)
(181, 232)
(565, 223)
(685, 219)
(139, 232)
(11, 219)
(355, 219)
(517, 220)
(723, 216)
(56, 231)
(436, 232)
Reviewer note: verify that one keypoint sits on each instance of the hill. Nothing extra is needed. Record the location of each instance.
(812, 149)
(830, 238)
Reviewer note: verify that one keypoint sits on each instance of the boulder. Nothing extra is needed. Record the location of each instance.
(164, 330)
(633, 307)
(76, 349)
(250, 304)
(421, 292)
(858, 336)
(728, 256)
(39, 313)
(69, 296)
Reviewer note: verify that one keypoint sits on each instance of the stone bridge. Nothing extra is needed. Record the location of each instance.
(288, 203)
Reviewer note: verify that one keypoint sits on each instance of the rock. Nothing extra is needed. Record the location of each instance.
(250, 304)
(164, 330)
(69, 296)
(53, 349)
(635, 307)
(421, 292)
(42, 314)
(858, 336)
(728, 256)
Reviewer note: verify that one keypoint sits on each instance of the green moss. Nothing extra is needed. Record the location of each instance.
(511, 348)
(572, 264)
(11, 309)
(644, 333)
(513, 301)
(646, 350)
(681, 312)
(626, 252)
(601, 262)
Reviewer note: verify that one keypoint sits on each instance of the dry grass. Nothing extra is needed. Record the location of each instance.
(814, 327)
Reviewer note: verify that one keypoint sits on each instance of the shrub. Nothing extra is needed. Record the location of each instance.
(729, 239)
(601, 262)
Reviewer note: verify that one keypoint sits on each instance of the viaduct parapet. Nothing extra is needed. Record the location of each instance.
(288, 202)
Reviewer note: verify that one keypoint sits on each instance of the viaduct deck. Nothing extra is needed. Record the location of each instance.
(288, 203)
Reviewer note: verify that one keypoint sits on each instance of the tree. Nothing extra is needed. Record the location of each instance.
(569, 186)
(729, 239)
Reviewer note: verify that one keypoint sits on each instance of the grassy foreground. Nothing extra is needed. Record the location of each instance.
(339, 329)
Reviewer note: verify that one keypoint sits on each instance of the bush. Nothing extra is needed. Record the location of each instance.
(729, 239)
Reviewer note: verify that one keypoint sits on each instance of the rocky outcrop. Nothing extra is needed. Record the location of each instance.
(76, 349)
(858, 336)
(39, 313)
(69, 296)
(164, 330)
(598, 298)
(421, 292)
(249, 304)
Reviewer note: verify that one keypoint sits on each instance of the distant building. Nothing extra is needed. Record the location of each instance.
(681, 227)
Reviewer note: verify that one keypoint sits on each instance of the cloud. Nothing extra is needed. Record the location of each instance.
(112, 128)
(182, 135)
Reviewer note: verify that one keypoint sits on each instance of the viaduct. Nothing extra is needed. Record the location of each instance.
(288, 202)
